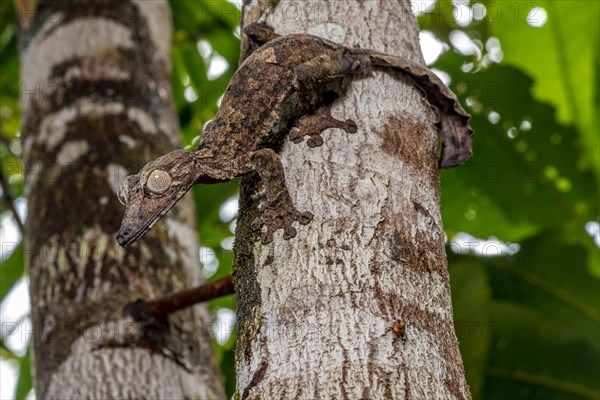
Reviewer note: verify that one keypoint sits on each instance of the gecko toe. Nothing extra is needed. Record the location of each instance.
(296, 135)
(257, 224)
(266, 237)
(289, 232)
(315, 141)
(275, 217)
(350, 126)
(305, 218)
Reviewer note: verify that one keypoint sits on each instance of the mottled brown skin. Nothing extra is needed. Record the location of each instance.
(286, 86)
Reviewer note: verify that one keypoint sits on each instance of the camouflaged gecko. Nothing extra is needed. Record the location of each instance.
(283, 88)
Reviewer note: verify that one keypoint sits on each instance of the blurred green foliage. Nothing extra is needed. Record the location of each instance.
(526, 283)
(528, 321)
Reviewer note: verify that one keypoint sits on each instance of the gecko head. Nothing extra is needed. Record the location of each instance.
(152, 192)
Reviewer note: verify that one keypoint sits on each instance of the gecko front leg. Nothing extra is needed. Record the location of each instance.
(313, 125)
(279, 212)
(310, 78)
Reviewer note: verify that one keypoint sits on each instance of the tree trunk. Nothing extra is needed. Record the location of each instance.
(97, 106)
(358, 304)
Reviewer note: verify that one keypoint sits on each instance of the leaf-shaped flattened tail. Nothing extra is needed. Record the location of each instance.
(453, 120)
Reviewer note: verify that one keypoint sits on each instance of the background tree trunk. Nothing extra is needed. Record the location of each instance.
(358, 304)
(96, 106)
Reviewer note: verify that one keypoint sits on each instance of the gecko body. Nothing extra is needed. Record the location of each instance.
(285, 87)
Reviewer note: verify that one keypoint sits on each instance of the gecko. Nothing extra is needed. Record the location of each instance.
(285, 87)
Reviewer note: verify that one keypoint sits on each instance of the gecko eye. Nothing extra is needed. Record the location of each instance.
(123, 192)
(158, 182)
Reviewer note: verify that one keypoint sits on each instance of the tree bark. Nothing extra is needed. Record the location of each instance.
(358, 304)
(97, 106)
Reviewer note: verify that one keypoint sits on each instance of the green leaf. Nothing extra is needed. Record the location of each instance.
(11, 270)
(221, 302)
(228, 372)
(201, 16)
(228, 47)
(195, 68)
(178, 75)
(561, 56)
(211, 229)
(214, 21)
(24, 384)
(6, 353)
(209, 199)
(524, 175)
(549, 275)
(541, 326)
(532, 356)
(471, 301)
(439, 20)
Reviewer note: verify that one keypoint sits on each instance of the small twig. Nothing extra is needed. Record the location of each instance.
(159, 309)
(10, 202)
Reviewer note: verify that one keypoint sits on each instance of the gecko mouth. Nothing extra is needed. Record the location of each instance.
(143, 213)
(126, 235)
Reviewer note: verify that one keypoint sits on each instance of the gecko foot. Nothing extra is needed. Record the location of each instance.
(277, 216)
(314, 124)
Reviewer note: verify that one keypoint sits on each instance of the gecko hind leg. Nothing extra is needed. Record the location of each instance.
(313, 125)
(309, 79)
(313, 75)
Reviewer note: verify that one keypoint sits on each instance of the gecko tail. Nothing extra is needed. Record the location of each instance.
(452, 119)
(457, 140)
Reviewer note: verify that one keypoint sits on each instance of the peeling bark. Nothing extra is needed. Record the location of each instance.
(97, 106)
(358, 304)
